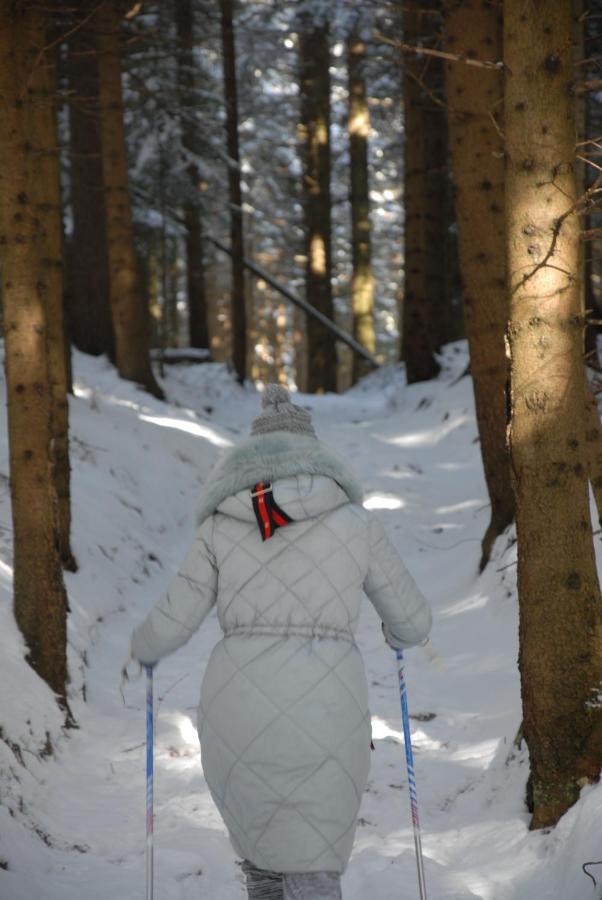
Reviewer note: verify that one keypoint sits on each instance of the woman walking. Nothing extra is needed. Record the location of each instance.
(286, 551)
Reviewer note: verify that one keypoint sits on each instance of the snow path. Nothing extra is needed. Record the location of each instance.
(72, 825)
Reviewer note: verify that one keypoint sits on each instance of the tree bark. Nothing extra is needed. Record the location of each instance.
(362, 279)
(559, 595)
(130, 317)
(421, 304)
(49, 210)
(477, 152)
(89, 312)
(31, 296)
(198, 326)
(314, 132)
(238, 302)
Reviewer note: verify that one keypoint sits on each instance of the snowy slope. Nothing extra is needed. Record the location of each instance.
(72, 804)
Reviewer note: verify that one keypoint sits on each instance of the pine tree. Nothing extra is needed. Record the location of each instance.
(89, 312)
(423, 304)
(362, 280)
(130, 317)
(50, 248)
(314, 132)
(559, 595)
(474, 98)
(238, 302)
(32, 297)
(198, 325)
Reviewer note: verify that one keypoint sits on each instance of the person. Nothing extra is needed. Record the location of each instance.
(286, 550)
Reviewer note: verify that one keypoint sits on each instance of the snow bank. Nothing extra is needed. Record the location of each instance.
(72, 803)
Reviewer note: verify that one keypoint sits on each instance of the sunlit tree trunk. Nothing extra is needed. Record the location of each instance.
(238, 302)
(130, 317)
(421, 305)
(362, 279)
(475, 97)
(30, 282)
(198, 327)
(314, 132)
(560, 606)
(89, 312)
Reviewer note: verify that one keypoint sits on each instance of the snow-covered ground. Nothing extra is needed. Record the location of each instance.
(72, 818)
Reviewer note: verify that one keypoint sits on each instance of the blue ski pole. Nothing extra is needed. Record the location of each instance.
(407, 737)
(149, 781)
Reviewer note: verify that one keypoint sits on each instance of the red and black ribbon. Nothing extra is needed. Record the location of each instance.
(267, 512)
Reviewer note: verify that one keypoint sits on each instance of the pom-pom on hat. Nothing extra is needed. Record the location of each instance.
(279, 414)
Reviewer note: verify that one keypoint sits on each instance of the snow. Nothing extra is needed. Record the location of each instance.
(72, 802)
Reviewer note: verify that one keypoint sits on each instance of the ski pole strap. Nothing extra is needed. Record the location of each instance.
(267, 512)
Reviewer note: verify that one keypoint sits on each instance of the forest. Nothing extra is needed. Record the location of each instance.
(393, 209)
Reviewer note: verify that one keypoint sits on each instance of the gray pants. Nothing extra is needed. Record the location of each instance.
(263, 885)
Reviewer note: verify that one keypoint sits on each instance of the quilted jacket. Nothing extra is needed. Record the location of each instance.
(283, 718)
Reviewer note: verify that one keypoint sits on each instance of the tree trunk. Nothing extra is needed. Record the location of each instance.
(560, 622)
(31, 280)
(198, 326)
(45, 142)
(130, 317)
(421, 304)
(239, 315)
(89, 312)
(362, 279)
(474, 98)
(314, 130)
(438, 203)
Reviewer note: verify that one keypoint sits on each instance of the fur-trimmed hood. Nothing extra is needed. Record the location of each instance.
(270, 457)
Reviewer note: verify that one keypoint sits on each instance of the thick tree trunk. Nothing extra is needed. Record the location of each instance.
(238, 303)
(362, 279)
(422, 304)
(130, 317)
(314, 130)
(49, 210)
(474, 101)
(560, 620)
(30, 282)
(89, 312)
(198, 326)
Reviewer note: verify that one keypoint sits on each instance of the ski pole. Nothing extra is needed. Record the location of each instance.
(405, 718)
(149, 782)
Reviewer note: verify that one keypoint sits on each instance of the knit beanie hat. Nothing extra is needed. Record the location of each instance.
(279, 414)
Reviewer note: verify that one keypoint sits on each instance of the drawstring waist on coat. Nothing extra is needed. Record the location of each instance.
(284, 631)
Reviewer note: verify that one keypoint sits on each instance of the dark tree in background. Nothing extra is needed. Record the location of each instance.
(129, 313)
(198, 324)
(362, 279)
(238, 296)
(424, 298)
(89, 313)
(314, 133)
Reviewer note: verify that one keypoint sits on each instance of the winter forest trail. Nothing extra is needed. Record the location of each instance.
(72, 825)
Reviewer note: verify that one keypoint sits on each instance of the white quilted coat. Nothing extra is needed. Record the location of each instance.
(283, 720)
